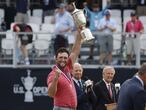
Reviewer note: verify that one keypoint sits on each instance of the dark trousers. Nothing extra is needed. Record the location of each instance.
(60, 41)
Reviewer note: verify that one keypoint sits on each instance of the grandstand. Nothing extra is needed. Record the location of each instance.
(43, 35)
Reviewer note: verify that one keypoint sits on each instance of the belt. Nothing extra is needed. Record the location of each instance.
(63, 108)
(133, 36)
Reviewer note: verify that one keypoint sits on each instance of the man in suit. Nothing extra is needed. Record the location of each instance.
(85, 96)
(104, 89)
(132, 95)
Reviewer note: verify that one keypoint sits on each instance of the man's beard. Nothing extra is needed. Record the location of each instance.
(60, 66)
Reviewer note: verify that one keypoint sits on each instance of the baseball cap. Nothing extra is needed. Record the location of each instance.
(107, 12)
(62, 5)
(133, 14)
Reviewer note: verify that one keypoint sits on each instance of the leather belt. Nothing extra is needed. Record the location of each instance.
(132, 36)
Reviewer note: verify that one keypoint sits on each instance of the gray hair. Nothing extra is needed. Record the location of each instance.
(107, 67)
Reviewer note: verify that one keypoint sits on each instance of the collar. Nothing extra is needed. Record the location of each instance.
(107, 84)
(140, 80)
(76, 81)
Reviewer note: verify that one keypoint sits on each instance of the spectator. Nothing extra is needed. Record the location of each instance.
(49, 7)
(104, 89)
(21, 8)
(133, 27)
(60, 83)
(93, 17)
(86, 98)
(9, 18)
(71, 34)
(24, 40)
(63, 24)
(132, 95)
(106, 26)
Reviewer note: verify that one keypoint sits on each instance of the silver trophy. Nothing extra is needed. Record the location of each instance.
(80, 21)
(28, 83)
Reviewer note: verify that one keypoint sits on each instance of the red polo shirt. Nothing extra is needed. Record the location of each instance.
(66, 93)
(134, 27)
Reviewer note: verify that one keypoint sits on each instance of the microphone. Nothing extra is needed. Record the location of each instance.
(117, 87)
(88, 84)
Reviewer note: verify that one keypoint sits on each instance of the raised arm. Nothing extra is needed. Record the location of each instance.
(76, 47)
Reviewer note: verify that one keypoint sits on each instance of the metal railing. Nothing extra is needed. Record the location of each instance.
(45, 58)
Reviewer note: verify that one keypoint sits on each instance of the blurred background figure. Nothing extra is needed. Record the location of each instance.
(22, 40)
(93, 15)
(134, 28)
(63, 26)
(105, 89)
(71, 35)
(85, 96)
(10, 13)
(106, 26)
(21, 8)
(48, 7)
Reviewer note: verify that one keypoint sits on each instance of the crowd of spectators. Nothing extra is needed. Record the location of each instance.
(99, 20)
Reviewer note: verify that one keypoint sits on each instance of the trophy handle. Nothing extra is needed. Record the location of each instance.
(73, 4)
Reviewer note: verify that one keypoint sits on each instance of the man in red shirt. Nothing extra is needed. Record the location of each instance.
(134, 28)
(60, 83)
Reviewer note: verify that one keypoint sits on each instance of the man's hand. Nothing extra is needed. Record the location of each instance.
(57, 73)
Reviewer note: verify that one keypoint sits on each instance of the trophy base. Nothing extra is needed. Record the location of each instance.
(87, 35)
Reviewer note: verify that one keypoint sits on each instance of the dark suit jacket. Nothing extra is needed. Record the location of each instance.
(85, 101)
(51, 5)
(103, 96)
(132, 95)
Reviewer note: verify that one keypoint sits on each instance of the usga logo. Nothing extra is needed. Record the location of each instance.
(29, 89)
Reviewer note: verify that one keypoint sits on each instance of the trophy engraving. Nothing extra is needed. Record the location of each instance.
(80, 21)
(28, 83)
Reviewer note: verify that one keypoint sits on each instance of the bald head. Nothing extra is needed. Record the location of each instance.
(77, 64)
(77, 71)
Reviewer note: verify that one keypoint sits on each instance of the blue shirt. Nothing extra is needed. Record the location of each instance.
(111, 23)
(63, 21)
(94, 17)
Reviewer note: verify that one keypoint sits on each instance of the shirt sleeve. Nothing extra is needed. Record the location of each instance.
(141, 26)
(69, 64)
(50, 78)
(126, 29)
(70, 22)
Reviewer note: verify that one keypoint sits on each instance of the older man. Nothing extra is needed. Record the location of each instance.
(86, 98)
(104, 89)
